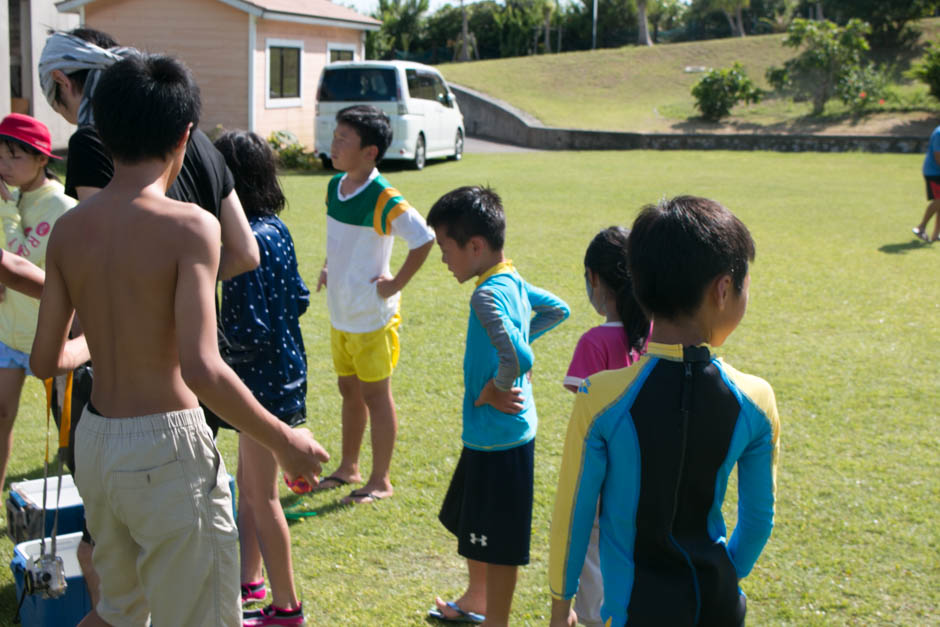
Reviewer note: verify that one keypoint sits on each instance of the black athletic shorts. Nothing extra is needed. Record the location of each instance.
(488, 505)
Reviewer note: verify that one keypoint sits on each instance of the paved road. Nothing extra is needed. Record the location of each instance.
(475, 145)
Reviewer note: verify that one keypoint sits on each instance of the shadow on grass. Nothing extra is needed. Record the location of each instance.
(296, 509)
(903, 247)
(35, 473)
(9, 602)
(804, 125)
(819, 124)
(913, 127)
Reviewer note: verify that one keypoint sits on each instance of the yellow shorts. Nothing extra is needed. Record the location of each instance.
(370, 356)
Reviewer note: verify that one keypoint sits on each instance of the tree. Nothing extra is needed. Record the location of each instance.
(777, 15)
(889, 19)
(517, 22)
(831, 54)
(402, 25)
(928, 70)
(664, 15)
(643, 31)
(616, 21)
(732, 10)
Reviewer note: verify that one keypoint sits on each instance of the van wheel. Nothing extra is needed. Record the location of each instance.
(421, 153)
(327, 163)
(458, 147)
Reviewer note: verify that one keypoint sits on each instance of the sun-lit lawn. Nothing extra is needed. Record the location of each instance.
(842, 322)
(648, 89)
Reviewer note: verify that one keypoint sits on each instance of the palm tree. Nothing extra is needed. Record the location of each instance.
(643, 32)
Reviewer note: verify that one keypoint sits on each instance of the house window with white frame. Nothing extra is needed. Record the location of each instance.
(341, 52)
(285, 60)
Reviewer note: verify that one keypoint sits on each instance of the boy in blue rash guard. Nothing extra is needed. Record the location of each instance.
(489, 503)
(656, 441)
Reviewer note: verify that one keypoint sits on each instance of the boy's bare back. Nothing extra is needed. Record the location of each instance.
(139, 269)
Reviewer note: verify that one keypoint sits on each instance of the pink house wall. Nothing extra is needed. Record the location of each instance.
(299, 119)
(209, 36)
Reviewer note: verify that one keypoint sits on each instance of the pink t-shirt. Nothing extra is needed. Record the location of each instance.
(602, 348)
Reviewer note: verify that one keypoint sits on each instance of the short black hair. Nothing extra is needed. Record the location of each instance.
(142, 106)
(254, 167)
(678, 246)
(468, 212)
(97, 37)
(371, 124)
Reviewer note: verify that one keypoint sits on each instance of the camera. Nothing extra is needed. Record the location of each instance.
(46, 576)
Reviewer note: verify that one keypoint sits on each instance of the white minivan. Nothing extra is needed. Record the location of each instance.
(426, 121)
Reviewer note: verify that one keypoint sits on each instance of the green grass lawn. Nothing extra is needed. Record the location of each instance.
(648, 89)
(842, 322)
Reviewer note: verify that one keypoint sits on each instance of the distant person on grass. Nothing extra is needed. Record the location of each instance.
(154, 486)
(364, 213)
(615, 344)
(657, 441)
(261, 318)
(931, 171)
(488, 505)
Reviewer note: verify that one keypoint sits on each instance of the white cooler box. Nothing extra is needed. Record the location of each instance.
(68, 609)
(24, 509)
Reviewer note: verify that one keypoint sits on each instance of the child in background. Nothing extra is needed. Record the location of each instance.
(657, 441)
(615, 344)
(622, 338)
(488, 505)
(364, 213)
(260, 317)
(28, 214)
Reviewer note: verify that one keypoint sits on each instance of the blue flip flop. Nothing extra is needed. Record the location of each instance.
(462, 616)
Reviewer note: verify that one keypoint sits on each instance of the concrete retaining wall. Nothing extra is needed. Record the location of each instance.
(488, 118)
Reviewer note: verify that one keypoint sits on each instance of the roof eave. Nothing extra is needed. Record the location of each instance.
(73, 6)
(281, 16)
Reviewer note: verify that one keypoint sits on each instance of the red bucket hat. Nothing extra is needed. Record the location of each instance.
(28, 130)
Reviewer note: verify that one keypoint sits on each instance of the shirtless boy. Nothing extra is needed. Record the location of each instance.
(139, 270)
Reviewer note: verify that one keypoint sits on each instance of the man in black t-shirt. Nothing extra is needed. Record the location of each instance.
(204, 180)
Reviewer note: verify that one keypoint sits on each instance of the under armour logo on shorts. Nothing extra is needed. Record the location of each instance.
(474, 539)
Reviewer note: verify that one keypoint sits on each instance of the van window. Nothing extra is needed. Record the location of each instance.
(355, 84)
(421, 85)
(440, 92)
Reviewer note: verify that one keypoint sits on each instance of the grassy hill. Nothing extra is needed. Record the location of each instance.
(647, 89)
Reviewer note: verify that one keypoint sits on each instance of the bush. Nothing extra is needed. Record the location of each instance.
(831, 56)
(720, 90)
(290, 152)
(862, 86)
(928, 70)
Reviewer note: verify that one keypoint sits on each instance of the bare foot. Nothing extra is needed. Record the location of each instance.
(365, 494)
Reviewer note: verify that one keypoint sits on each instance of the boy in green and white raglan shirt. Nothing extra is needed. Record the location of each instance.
(364, 213)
